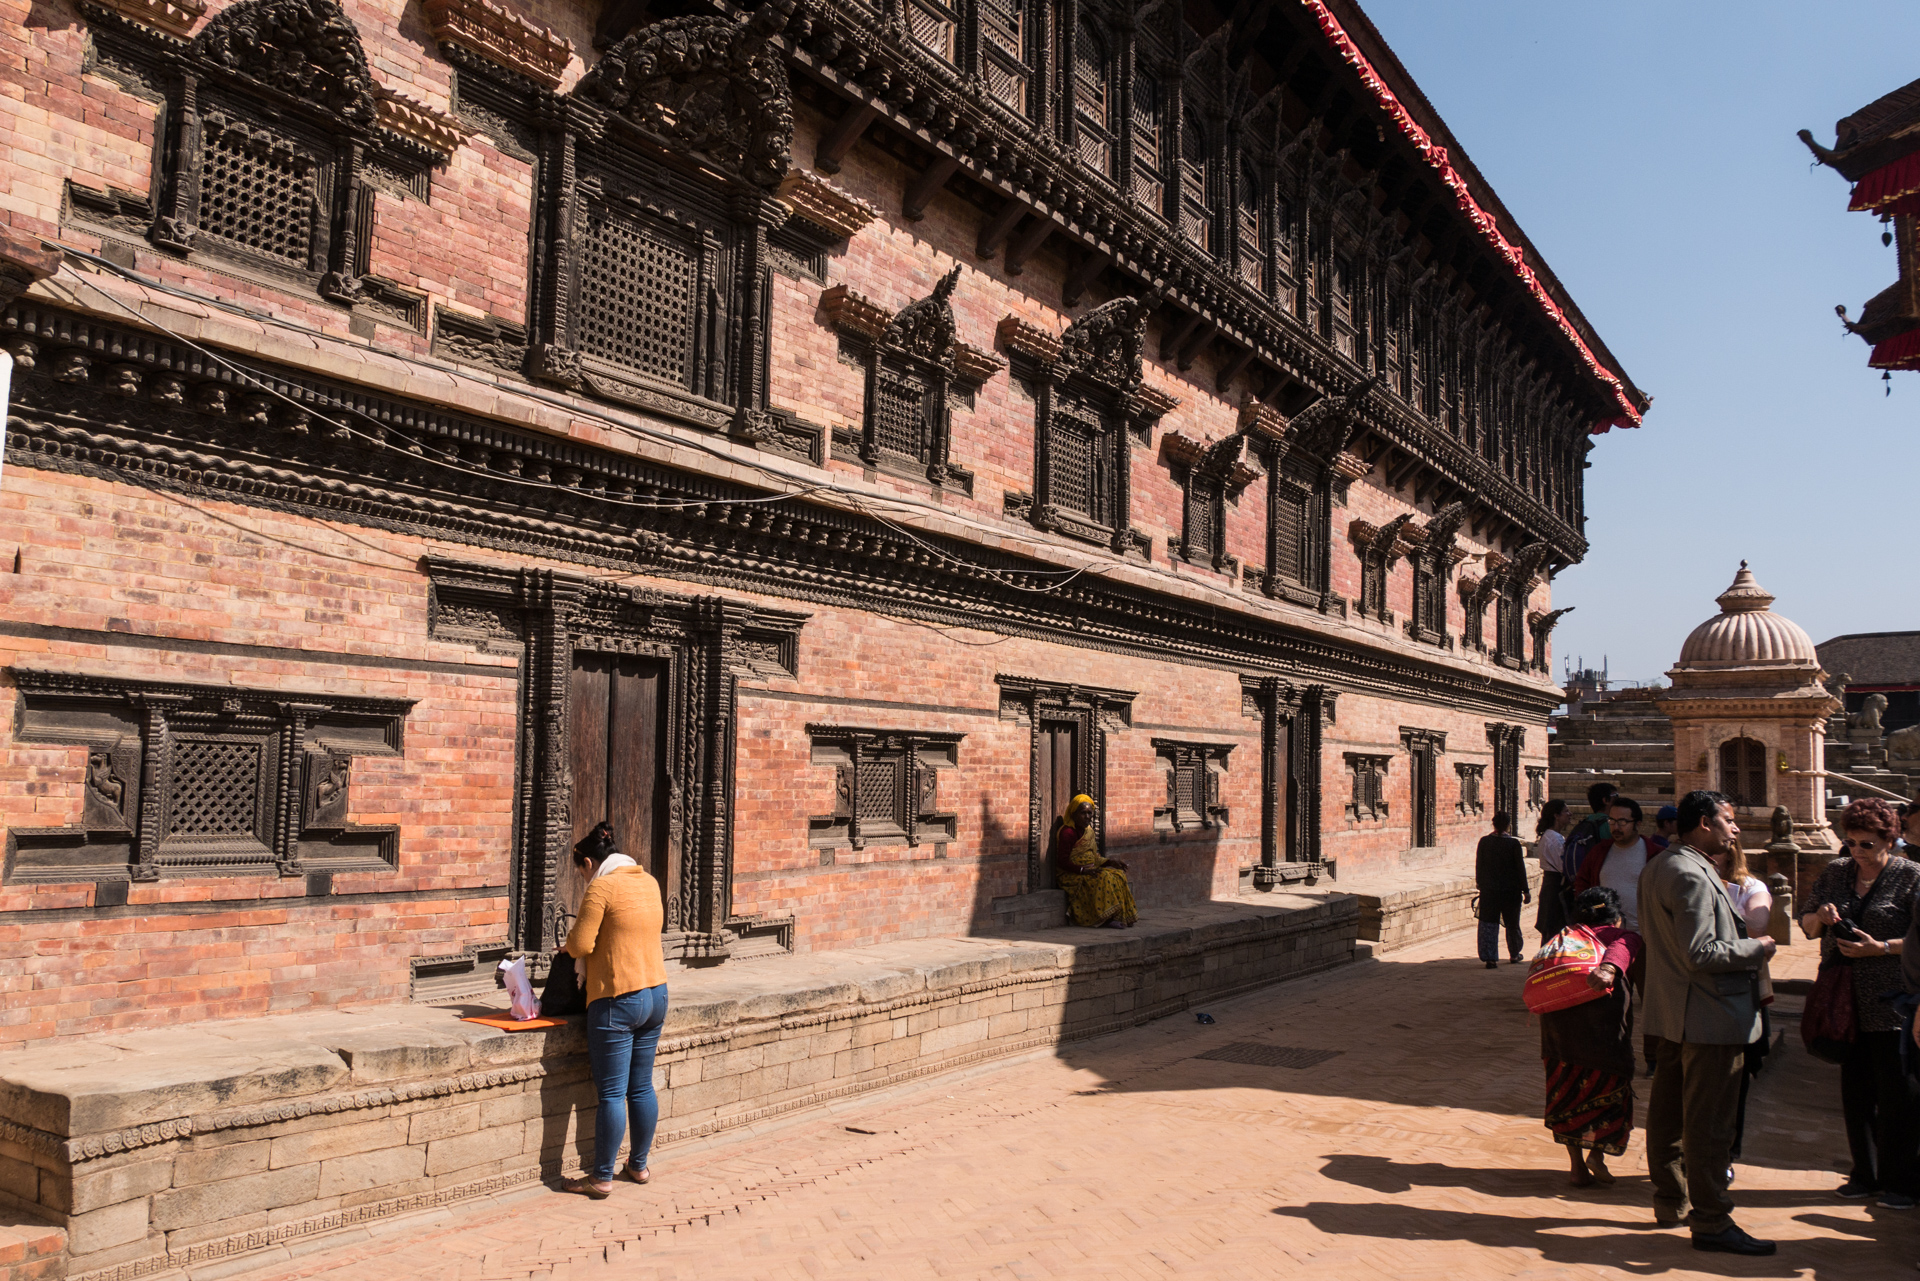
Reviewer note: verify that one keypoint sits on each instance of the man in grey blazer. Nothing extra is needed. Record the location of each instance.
(1703, 1010)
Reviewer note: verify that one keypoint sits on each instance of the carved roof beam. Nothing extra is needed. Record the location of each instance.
(1233, 369)
(838, 140)
(1195, 345)
(1173, 340)
(1023, 246)
(1082, 274)
(928, 182)
(994, 232)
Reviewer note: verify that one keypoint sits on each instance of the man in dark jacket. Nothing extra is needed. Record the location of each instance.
(1500, 874)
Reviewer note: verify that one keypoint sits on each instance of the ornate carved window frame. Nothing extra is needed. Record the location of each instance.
(1472, 775)
(1087, 389)
(1424, 748)
(1435, 553)
(1292, 721)
(707, 643)
(1378, 547)
(1536, 788)
(675, 146)
(1507, 741)
(1211, 478)
(913, 355)
(1095, 713)
(1367, 772)
(285, 815)
(272, 98)
(913, 816)
(1307, 466)
(1193, 772)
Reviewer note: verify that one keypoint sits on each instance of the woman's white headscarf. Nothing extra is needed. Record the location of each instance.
(613, 863)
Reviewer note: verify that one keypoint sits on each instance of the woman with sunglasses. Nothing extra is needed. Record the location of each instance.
(1860, 908)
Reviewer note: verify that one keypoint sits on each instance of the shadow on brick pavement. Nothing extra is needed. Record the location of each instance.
(1414, 1150)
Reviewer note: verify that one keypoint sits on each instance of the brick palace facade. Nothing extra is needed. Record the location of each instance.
(818, 438)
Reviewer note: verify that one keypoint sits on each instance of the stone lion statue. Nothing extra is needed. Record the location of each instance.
(1867, 719)
(1904, 744)
(1782, 823)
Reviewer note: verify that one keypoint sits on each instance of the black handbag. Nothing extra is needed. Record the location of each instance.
(563, 993)
(1829, 1025)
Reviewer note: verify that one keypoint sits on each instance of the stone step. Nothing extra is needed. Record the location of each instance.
(30, 1250)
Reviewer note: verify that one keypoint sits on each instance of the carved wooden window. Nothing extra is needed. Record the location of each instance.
(1472, 777)
(1248, 226)
(638, 304)
(1424, 747)
(933, 26)
(1429, 620)
(900, 405)
(1374, 573)
(1149, 150)
(1092, 105)
(886, 787)
(1005, 64)
(1080, 463)
(196, 780)
(1507, 742)
(1345, 283)
(652, 279)
(911, 363)
(1510, 632)
(1368, 775)
(1203, 528)
(1193, 772)
(1743, 772)
(272, 142)
(1295, 510)
(1196, 206)
(1536, 788)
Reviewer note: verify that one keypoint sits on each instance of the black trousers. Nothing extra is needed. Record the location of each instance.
(1690, 1116)
(1495, 910)
(1552, 917)
(1878, 1100)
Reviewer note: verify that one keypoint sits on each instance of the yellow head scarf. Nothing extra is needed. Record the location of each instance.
(1066, 815)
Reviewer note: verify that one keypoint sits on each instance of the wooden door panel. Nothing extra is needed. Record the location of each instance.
(587, 703)
(635, 800)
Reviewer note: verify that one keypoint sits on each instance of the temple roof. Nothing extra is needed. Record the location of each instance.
(1873, 658)
(1747, 633)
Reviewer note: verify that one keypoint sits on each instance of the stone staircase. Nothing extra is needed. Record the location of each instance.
(1626, 740)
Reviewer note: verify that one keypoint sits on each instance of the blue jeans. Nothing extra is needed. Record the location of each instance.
(622, 1034)
(1495, 910)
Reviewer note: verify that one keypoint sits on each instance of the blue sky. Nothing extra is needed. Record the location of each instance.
(1649, 152)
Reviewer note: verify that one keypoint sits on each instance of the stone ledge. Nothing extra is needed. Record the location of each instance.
(202, 1147)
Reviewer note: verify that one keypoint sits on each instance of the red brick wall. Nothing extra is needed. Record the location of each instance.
(108, 557)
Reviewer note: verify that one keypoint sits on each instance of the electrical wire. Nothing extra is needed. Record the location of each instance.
(443, 459)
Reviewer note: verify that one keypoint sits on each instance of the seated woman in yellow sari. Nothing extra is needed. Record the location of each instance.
(1098, 892)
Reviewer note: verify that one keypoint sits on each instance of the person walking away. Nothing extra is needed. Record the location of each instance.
(1861, 909)
(1594, 827)
(1550, 847)
(1753, 904)
(1500, 874)
(1617, 861)
(1702, 1011)
(1588, 1049)
(617, 937)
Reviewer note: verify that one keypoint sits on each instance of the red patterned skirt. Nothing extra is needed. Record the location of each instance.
(1588, 1108)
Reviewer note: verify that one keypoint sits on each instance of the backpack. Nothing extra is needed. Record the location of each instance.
(1557, 979)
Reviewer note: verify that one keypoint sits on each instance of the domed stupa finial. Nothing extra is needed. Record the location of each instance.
(1745, 596)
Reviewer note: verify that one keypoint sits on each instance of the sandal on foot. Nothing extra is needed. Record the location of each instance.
(1602, 1176)
(636, 1176)
(587, 1188)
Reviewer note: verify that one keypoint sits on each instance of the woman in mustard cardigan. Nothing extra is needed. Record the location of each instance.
(617, 941)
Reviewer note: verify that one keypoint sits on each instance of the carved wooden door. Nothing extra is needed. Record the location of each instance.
(619, 762)
(1059, 770)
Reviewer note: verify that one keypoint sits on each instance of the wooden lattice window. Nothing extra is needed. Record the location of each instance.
(886, 787)
(1092, 105)
(1203, 527)
(639, 300)
(1193, 772)
(1472, 779)
(1196, 206)
(259, 191)
(1005, 65)
(1248, 226)
(900, 408)
(933, 26)
(1368, 775)
(1510, 631)
(1149, 153)
(1536, 788)
(1079, 466)
(1743, 772)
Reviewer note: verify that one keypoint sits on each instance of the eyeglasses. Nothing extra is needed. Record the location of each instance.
(1865, 847)
(1623, 822)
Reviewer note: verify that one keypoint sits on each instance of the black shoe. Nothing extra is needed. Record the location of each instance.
(1514, 960)
(1732, 1241)
(1854, 1190)
(1493, 965)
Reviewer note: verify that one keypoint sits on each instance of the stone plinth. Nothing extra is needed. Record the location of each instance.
(186, 1148)
(1424, 906)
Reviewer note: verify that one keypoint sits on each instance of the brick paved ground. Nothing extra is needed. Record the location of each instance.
(1416, 1151)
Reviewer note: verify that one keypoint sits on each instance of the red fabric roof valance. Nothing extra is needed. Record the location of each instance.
(1902, 351)
(1887, 184)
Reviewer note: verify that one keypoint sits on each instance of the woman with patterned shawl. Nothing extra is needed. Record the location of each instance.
(1588, 1049)
(1098, 892)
